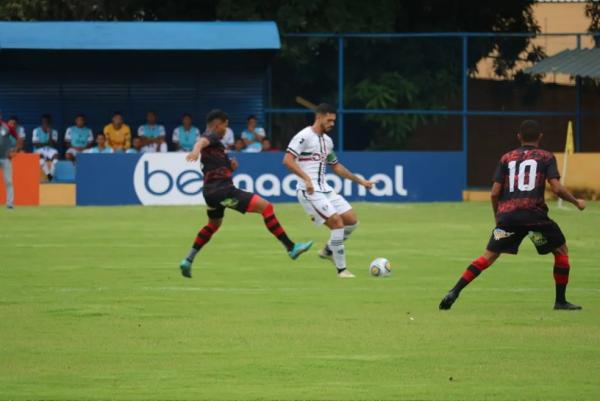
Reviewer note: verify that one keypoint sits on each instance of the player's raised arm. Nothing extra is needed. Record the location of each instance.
(289, 161)
(342, 171)
(201, 143)
(559, 190)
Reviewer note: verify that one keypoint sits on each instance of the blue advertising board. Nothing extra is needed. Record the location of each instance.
(168, 179)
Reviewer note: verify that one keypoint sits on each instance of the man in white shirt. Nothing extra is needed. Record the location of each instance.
(307, 156)
(44, 139)
(152, 134)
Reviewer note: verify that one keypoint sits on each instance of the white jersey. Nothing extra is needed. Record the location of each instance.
(313, 152)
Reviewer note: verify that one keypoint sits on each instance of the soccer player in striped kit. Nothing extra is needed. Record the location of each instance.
(220, 193)
(520, 211)
(308, 154)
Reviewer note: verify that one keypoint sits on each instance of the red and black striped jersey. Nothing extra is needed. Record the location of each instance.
(523, 173)
(216, 165)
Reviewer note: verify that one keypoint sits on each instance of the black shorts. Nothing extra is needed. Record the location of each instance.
(545, 236)
(218, 199)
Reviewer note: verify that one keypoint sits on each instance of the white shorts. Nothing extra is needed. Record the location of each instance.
(46, 152)
(320, 206)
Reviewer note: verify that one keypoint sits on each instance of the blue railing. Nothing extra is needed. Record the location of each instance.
(464, 112)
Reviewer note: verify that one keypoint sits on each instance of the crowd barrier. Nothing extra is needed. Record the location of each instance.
(168, 179)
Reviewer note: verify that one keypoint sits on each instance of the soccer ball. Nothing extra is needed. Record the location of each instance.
(380, 267)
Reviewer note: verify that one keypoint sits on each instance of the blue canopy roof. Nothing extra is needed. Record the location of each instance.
(139, 36)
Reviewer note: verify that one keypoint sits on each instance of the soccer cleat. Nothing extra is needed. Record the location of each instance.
(186, 268)
(299, 248)
(448, 300)
(326, 253)
(345, 274)
(566, 306)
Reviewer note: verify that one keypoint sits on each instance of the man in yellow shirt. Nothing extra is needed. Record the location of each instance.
(118, 133)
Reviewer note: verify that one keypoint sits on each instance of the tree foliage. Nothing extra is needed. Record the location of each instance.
(380, 73)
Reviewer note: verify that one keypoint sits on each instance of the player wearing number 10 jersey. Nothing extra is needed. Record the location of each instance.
(520, 211)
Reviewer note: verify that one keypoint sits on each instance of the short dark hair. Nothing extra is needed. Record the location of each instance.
(46, 117)
(184, 115)
(325, 108)
(530, 130)
(251, 117)
(216, 114)
(117, 113)
(80, 115)
(15, 118)
(100, 134)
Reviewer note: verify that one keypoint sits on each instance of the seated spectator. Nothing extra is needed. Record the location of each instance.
(228, 139)
(253, 135)
(77, 138)
(17, 132)
(152, 134)
(100, 145)
(186, 135)
(267, 147)
(118, 134)
(136, 146)
(239, 145)
(44, 140)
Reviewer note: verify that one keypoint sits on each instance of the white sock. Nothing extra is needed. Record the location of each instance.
(349, 229)
(44, 167)
(162, 147)
(336, 244)
(53, 166)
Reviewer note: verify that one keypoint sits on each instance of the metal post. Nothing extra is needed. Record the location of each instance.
(465, 105)
(269, 115)
(340, 117)
(578, 105)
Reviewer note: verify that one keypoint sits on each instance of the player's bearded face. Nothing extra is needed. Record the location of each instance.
(327, 122)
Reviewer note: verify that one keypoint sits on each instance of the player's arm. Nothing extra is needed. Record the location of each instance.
(559, 190)
(201, 143)
(343, 172)
(495, 196)
(289, 161)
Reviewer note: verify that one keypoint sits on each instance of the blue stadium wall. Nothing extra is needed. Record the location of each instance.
(98, 83)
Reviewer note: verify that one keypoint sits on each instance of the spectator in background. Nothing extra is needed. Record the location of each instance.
(136, 146)
(44, 140)
(118, 134)
(267, 147)
(10, 143)
(100, 145)
(239, 145)
(17, 131)
(253, 135)
(186, 135)
(228, 139)
(152, 134)
(77, 138)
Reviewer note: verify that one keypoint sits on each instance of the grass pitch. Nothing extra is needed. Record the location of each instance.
(92, 305)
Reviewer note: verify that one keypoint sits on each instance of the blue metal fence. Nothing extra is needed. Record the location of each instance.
(464, 112)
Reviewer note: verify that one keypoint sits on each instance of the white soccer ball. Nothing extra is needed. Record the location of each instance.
(380, 267)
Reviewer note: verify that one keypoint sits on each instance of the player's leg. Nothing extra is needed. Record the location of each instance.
(549, 238)
(561, 278)
(348, 216)
(502, 240)
(256, 204)
(473, 270)
(336, 244)
(70, 154)
(215, 219)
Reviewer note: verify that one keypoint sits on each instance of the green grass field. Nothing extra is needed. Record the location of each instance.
(92, 305)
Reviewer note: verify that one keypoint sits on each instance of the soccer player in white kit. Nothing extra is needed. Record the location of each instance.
(307, 156)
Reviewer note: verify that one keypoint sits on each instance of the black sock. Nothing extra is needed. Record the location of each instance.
(561, 289)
